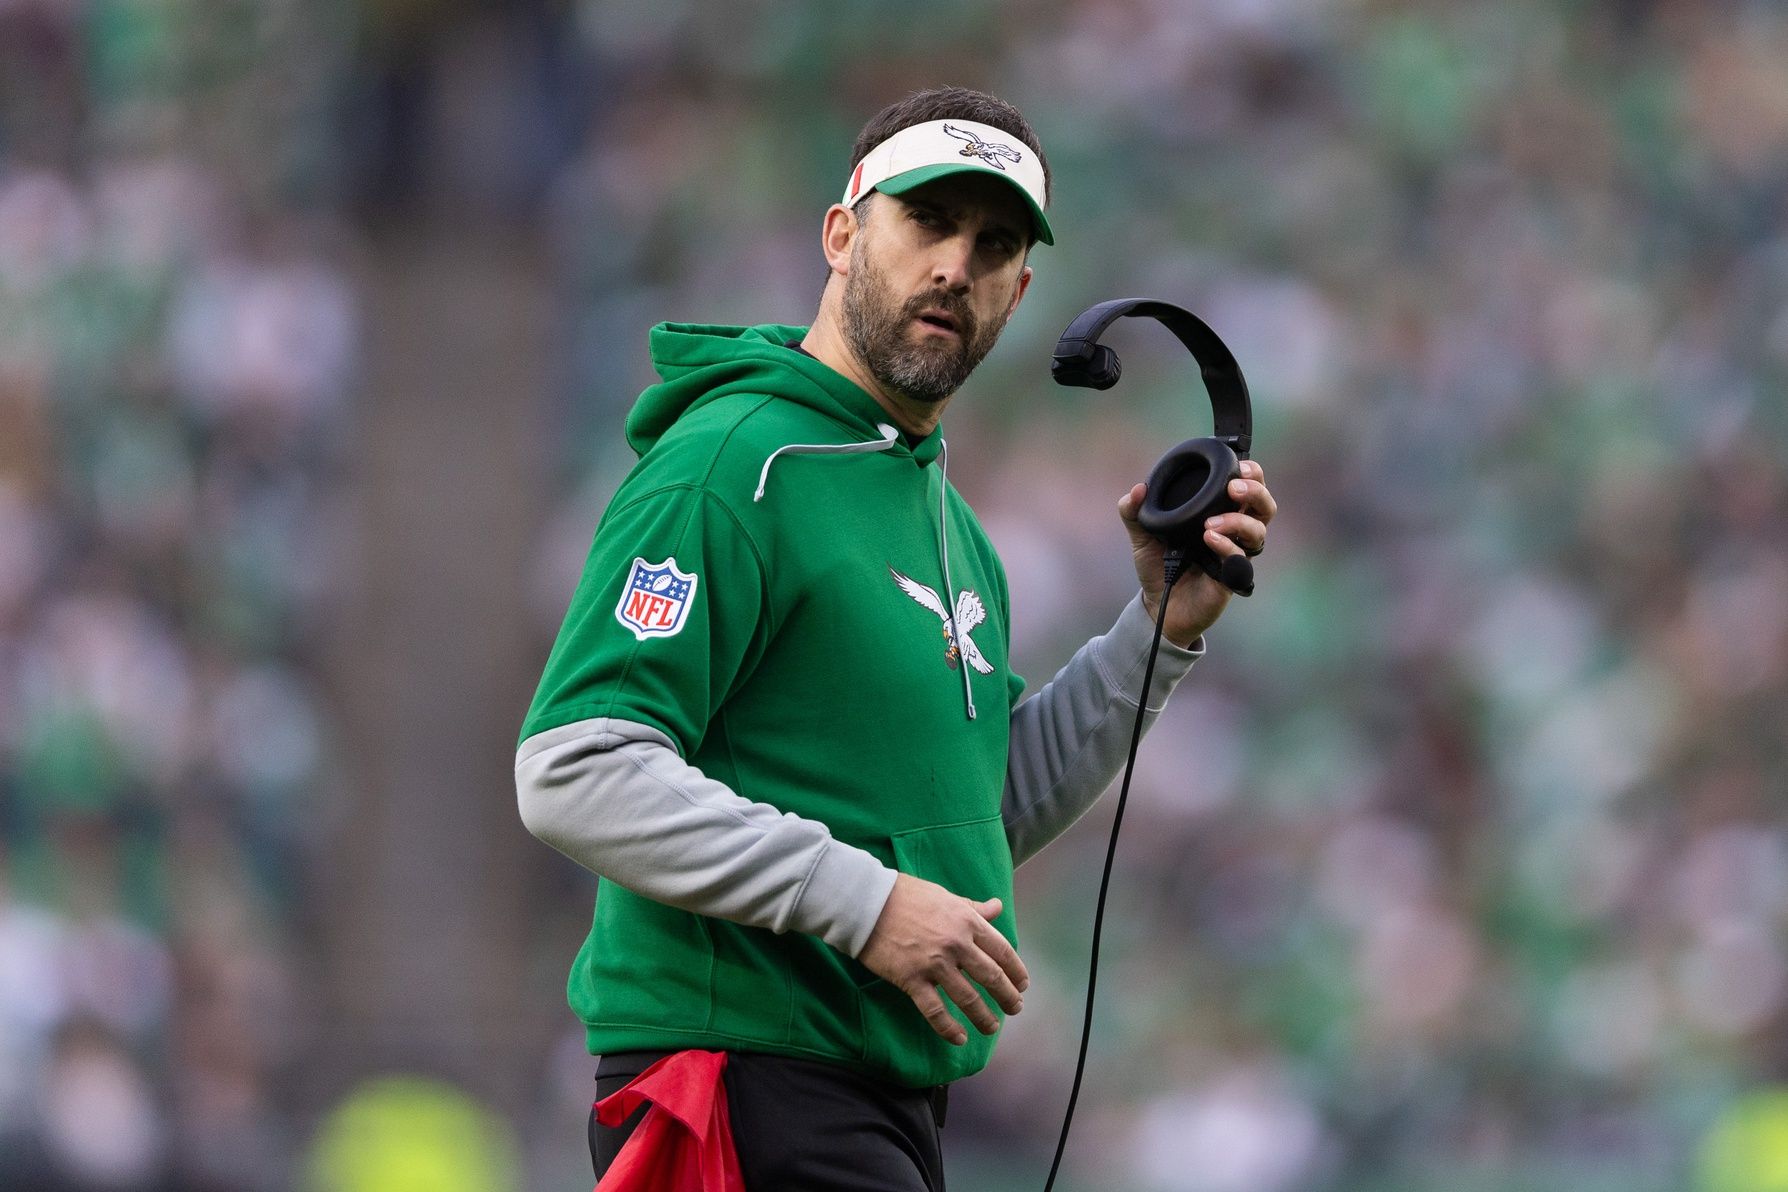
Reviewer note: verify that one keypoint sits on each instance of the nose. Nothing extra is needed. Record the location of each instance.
(950, 265)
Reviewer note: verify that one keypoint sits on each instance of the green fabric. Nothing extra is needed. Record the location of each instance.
(804, 677)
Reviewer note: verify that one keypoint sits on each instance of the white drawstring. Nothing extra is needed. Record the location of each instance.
(950, 600)
(888, 439)
(889, 435)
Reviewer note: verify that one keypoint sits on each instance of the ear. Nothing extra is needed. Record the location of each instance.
(837, 234)
(1024, 283)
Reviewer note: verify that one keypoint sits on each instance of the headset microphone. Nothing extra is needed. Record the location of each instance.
(1191, 482)
(1188, 485)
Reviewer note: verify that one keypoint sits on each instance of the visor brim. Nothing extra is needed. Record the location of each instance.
(901, 183)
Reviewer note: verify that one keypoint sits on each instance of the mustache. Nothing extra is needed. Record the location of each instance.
(951, 304)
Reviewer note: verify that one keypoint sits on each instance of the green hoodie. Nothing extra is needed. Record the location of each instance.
(768, 589)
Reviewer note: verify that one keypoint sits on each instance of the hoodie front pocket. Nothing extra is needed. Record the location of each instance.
(973, 860)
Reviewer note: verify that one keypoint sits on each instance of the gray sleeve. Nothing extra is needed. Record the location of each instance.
(617, 798)
(1070, 739)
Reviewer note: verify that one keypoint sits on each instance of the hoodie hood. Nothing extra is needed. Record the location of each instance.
(701, 363)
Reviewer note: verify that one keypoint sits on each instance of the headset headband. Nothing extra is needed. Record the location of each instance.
(1223, 378)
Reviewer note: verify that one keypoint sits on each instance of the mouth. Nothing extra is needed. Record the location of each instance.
(940, 321)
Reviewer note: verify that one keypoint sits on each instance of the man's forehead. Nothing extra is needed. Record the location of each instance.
(978, 193)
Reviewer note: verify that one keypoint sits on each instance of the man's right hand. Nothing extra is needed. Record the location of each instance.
(927, 937)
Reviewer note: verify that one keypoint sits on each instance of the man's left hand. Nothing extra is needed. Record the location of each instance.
(1198, 600)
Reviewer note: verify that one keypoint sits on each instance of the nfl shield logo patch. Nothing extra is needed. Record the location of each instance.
(655, 599)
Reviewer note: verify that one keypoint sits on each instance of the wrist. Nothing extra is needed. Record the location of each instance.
(1135, 628)
(1183, 634)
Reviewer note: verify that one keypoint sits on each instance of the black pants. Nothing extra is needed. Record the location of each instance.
(804, 1126)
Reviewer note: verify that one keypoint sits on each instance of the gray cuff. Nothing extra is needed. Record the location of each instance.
(843, 897)
(1123, 654)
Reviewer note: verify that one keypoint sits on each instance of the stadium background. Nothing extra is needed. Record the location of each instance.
(1458, 864)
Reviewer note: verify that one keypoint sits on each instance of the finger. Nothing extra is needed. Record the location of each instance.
(1251, 470)
(974, 1008)
(982, 968)
(1253, 496)
(1246, 532)
(1131, 502)
(932, 1006)
(1000, 949)
(1221, 545)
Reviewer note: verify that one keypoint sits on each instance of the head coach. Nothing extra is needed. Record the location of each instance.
(779, 719)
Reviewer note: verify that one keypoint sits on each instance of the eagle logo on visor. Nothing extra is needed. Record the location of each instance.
(991, 152)
(969, 613)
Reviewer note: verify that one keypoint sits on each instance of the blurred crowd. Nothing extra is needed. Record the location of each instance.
(1458, 862)
(176, 351)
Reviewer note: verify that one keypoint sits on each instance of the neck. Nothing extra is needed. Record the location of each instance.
(827, 342)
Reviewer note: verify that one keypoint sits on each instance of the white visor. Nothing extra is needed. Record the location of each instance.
(918, 154)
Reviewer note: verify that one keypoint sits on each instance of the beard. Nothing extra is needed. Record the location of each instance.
(878, 326)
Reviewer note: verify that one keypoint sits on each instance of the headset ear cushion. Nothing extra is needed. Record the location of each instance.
(1188, 485)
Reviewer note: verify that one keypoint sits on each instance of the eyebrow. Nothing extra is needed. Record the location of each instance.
(993, 225)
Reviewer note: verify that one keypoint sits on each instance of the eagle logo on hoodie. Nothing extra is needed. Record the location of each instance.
(969, 613)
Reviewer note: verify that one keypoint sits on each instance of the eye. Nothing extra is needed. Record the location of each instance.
(1000, 243)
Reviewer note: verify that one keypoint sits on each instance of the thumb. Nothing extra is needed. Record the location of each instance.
(1131, 502)
(990, 909)
(1129, 507)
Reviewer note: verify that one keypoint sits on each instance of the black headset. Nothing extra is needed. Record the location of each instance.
(1191, 482)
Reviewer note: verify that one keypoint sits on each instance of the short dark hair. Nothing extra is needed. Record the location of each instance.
(950, 103)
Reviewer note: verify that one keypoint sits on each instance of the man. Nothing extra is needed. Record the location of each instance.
(779, 720)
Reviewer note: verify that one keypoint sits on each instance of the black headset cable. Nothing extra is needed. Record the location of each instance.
(1174, 564)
